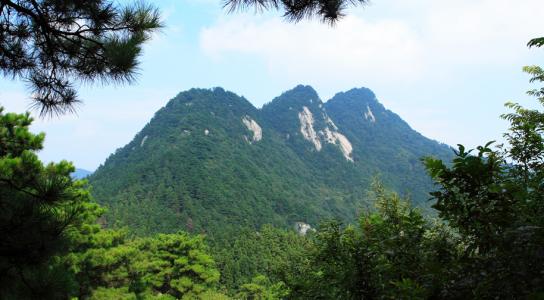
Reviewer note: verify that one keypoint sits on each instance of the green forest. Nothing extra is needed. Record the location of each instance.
(180, 215)
(192, 167)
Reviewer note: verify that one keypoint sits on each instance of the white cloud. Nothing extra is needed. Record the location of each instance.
(312, 50)
(410, 41)
(484, 31)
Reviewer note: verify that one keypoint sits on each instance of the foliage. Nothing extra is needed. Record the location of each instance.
(536, 42)
(495, 200)
(43, 213)
(481, 207)
(328, 11)
(52, 246)
(492, 245)
(275, 254)
(393, 253)
(52, 44)
(487, 244)
(260, 288)
(166, 266)
(387, 146)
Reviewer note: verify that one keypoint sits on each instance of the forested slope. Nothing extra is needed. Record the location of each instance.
(209, 161)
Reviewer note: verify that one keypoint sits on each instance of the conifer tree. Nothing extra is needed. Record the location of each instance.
(55, 44)
(42, 213)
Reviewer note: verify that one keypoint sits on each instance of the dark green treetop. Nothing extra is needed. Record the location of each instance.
(165, 266)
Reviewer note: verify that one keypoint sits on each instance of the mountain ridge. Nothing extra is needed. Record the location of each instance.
(209, 159)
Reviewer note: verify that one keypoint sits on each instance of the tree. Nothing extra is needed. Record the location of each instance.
(53, 44)
(261, 288)
(392, 253)
(42, 214)
(495, 200)
(52, 247)
(245, 254)
(489, 243)
(165, 266)
(296, 10)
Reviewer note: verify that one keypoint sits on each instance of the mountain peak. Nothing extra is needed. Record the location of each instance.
(303, 88)
(211, 159)
(214, 101)
(362, 91)
(361, 101)
(301, 95)
(356, 96)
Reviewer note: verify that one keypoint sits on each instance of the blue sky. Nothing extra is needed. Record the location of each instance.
(446, 67)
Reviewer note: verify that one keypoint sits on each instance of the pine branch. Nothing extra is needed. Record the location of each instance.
(55, 45)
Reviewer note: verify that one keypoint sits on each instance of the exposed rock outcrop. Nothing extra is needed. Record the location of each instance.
(253, 127)
(369, 115)
(307, 127)
(328, 135)
(303, 228)
(143, 141)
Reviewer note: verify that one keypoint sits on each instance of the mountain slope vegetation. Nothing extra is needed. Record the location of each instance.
(210, 162)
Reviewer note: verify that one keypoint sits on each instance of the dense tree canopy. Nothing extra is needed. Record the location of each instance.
(487, 243)
(54, 44)
(391, 253)
(166, 266)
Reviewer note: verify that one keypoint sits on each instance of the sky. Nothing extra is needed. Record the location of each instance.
(446, 67)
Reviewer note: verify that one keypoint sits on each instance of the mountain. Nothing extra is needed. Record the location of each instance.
(384, 143)
(80, 173)
(209, 161)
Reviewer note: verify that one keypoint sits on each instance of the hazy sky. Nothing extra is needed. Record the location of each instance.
(446, 67)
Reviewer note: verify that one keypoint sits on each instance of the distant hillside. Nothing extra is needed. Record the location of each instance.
(209, 161)
(81, 173)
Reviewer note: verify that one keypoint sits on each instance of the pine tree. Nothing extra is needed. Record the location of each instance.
(42, 212)
(53, 44)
